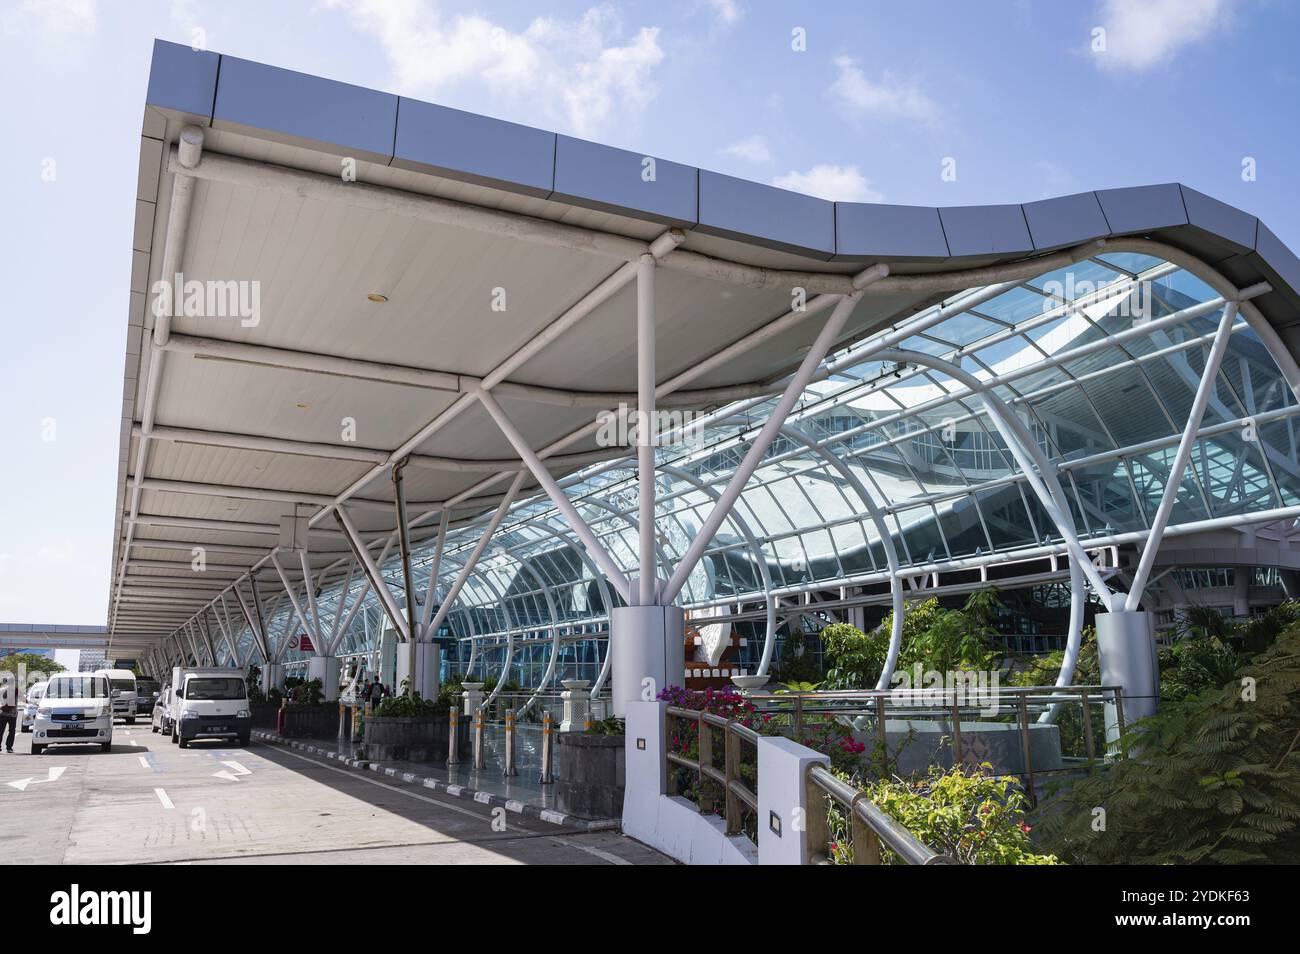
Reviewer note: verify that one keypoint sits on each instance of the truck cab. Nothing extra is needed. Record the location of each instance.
(122, 685)
(76, 708)
(209, 704)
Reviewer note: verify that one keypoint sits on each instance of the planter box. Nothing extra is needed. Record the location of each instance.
(264, 714)
(412, 738)
(589, 774)
(311, 722)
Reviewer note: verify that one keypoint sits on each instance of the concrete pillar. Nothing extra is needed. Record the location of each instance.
(473, 696)
(649, 653)
(1241, 577)
(783, 801)
(645, 773)
(1127, 647)
(428, 662)
(577, 705)
(326, 669)
(272, 677)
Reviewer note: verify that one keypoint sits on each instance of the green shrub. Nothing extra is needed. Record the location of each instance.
(973, 817)
(611, 726)
(409, 706)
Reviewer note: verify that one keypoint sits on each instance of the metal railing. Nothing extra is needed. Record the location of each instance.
(869, 827)
(737, 796)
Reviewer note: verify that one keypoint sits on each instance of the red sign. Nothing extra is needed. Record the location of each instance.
(302, 641)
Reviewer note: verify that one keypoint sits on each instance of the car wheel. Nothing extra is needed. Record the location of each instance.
(175, 739)
(243, 741)
(153, 729)
(184, 743)
(37, 749)
(25, 730)
(106, 746)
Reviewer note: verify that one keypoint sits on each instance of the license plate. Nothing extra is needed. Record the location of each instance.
(216, 728)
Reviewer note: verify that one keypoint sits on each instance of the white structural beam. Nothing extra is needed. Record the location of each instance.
(1209, 383)
(647, 431)
(828, 335)
(371, 570)
(558, 497)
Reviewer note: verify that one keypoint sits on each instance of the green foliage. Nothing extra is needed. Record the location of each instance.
(1214, 778)
(798, 687)
(254, 681)
(796, 663)
(974, 817)
(304, 693)
(1209, 647)
(409, 706)
(611, 726)
(857, 658)
(31, 662)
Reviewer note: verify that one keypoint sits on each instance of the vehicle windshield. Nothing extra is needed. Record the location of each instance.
(214, 688)
(77, 687)
(145, 687)
(124, 685)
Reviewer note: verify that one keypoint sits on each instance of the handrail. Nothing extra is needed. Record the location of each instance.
(737, 795)
(869, 826)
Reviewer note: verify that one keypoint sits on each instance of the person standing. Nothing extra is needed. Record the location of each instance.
(9, 715)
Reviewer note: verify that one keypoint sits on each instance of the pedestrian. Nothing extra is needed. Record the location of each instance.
(9, 715)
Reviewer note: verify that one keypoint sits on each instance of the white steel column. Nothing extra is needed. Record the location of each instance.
(646, 429)
(825, 339)
(293, 598)
(431, 591)
(393, 611)
(1209, 382)
(558, 496)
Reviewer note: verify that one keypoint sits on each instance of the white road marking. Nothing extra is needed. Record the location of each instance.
(52, 776)
(603, 855)
(236, 770)
(162, 797)
(144, 762)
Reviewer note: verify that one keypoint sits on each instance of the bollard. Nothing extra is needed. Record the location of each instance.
(548, 734)
(453, 737)
(479, 755)
(510, 744)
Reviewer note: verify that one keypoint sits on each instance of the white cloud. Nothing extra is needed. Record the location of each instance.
(51, 19)
(837, 183)
(582, 72)
(1143, 34)
(751, 149)
(726, 12)
(891, 97)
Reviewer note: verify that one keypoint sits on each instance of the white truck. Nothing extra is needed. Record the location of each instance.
(122, 682)
(209, 704)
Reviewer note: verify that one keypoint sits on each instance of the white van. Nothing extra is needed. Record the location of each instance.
(76, 708)
(209, 704)
(33, 701)
(122, 682)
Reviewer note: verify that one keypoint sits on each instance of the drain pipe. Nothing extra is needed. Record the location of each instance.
(189, 149)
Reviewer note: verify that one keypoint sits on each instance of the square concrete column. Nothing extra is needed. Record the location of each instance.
(326, 669)
(645, 773)
(783, 801)
(428, 662)
(649, 653)
(1126, 645)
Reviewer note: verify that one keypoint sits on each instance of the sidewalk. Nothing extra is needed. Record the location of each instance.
(523, 793)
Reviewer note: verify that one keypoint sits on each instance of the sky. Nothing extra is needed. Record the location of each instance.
(926, 103)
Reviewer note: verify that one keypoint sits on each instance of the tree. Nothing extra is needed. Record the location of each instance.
(30, 662)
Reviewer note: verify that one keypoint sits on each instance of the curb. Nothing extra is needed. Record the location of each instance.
(456, 791)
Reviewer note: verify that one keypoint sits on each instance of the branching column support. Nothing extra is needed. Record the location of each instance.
(1209, 382)
(408, 587)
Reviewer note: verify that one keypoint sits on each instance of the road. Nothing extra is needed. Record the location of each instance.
(149, 802)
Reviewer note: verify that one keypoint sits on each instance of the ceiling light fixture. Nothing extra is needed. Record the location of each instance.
(377, 298)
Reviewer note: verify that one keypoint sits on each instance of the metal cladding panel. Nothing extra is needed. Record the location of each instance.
(766, 215)
(616, 180)
(1143, 208)
(986, 230)
(1067, 220)
(182, 81)
(305, 110)
(1228, 224)
(865, 230)
(1283, 263)
(460, 145)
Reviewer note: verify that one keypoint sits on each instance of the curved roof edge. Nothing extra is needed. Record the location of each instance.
(278, 105)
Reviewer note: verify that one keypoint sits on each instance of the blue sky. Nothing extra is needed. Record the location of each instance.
(882, 94)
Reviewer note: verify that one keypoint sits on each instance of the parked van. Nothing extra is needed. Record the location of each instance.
(34, 696)
(122, 682)
(209, 704)
(161, 718)
(76, 708)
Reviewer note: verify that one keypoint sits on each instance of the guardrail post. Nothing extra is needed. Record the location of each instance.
(479, 755)
(866, 843)
(705, 737)
(453, 736)
(1088, 744)
(956, 731)
(548, 737)
(791, 816)
(1025, 746)
(731, 772)
(510, 744)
